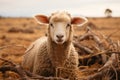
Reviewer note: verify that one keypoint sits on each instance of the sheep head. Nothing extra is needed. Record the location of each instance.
(60, 25)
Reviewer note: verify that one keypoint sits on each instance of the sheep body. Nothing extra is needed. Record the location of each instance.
(38, 61)
(56, 51)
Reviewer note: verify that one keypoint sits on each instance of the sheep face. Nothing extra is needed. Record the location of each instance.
(60, 25)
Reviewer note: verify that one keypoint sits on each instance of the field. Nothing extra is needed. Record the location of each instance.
(16, 34)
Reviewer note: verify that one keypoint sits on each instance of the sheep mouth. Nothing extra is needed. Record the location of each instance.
(59, 41)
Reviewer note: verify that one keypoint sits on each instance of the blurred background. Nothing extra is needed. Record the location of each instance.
(28, 8)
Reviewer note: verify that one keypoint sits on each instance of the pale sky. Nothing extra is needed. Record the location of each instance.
(28, 8)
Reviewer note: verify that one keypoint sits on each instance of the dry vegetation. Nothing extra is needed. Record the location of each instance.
(95, 44)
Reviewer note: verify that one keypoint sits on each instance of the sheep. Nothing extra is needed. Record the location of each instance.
(56, 50)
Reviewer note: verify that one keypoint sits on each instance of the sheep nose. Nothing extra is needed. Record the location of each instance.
(59, 36)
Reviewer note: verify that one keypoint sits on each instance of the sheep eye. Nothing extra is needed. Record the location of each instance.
(51, 25)
(68, 25)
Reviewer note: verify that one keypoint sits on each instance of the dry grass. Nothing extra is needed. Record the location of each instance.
(18, 41)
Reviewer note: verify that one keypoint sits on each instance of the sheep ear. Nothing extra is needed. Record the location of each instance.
(79, 21)
(42, 19)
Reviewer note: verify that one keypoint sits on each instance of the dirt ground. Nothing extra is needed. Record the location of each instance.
(16, 34)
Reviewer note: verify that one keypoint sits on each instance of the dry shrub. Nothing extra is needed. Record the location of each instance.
(17, 30)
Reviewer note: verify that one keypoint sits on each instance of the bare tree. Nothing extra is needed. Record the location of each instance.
(108, 13)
